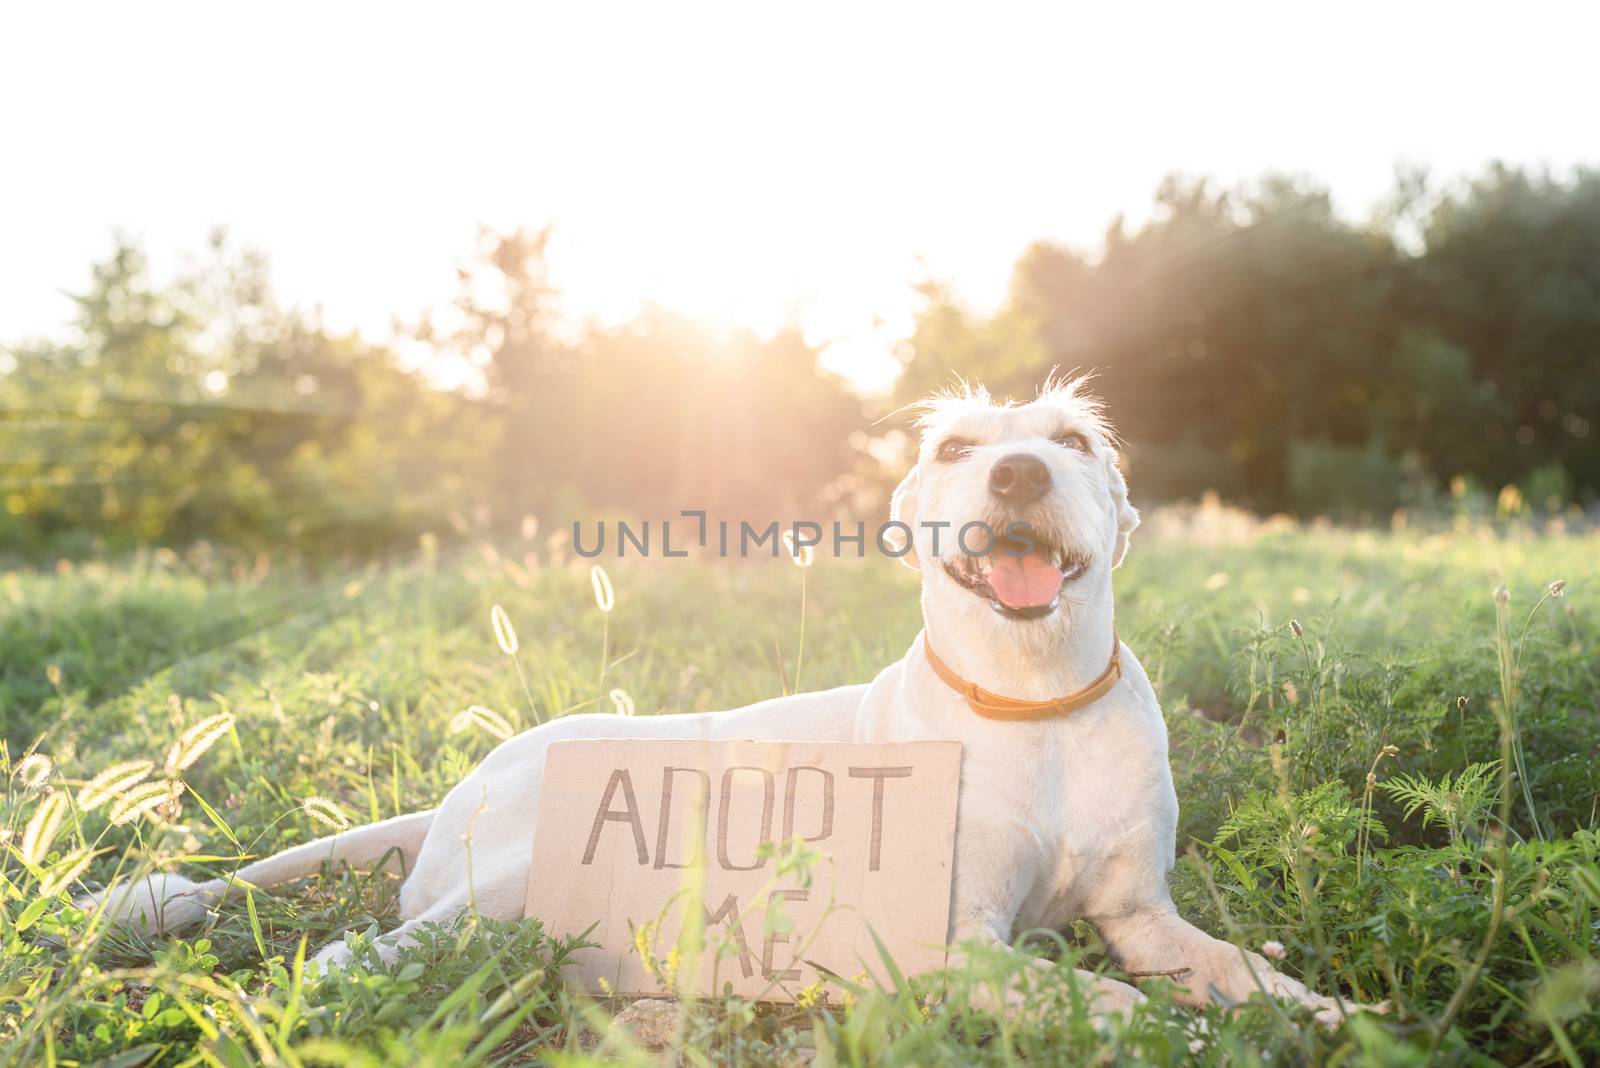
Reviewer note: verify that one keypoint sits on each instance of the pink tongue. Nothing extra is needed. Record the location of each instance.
(1024, 581)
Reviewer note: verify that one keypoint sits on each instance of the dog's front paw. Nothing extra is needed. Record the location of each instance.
(1110, 998)
(1329, 1012)
(335, 956)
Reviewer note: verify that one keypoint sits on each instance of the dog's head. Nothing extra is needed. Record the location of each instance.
(1015, 508)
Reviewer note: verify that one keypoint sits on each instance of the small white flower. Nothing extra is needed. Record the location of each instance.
(1273, 950)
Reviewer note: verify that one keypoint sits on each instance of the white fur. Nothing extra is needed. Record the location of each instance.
(1062, 819)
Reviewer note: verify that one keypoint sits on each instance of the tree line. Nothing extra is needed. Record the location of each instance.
(1255, 343)
(1250, 341)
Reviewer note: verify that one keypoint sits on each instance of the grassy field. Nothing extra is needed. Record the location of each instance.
(1401, 788)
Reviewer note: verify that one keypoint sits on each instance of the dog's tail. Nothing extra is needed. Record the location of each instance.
(167, 902)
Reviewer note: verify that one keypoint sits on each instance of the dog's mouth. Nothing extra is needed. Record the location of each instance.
(1020, 579)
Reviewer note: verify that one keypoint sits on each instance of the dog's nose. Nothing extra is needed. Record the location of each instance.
(1019, 478)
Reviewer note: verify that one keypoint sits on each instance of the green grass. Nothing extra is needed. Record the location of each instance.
(344, 684)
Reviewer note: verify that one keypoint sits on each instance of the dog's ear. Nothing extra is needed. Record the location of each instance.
(1127, 515)
(903, 509)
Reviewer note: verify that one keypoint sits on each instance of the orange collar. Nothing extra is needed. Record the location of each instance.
(994, 706)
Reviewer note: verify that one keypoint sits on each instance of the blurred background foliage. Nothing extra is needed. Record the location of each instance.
(1247, 341)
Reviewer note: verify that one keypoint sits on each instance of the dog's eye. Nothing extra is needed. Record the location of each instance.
(1072, 440)
(952, 450)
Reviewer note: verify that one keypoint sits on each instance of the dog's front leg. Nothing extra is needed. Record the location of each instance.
(387, 947)
(1106, 997)
(993, 872)
(1155, 941)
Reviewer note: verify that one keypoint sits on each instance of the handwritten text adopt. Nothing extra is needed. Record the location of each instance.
(638, 833)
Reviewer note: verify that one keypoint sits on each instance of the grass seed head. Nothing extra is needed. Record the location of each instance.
(42, 828)
(146, 800)
(1294, 625)
(479, 716)
(802, 555)
(65, 872)
(604, 595)
(34, 770)
(325, 811)
(115, 781)
(193, 743)
(1502, 595)
(504, 634)
(1558, 588)
(622, 702)
(1461, 703)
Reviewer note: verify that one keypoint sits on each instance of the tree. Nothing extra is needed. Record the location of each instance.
(1511, 277)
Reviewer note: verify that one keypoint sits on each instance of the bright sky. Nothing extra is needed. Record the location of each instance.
(753, 162)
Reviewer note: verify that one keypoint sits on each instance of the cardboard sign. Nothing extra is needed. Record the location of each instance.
(682, 856)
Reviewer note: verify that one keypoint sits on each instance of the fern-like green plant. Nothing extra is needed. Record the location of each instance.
(1461, 804)
(1277, 831)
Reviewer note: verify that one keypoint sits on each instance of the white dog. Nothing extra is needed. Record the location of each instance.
(1066, 806)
